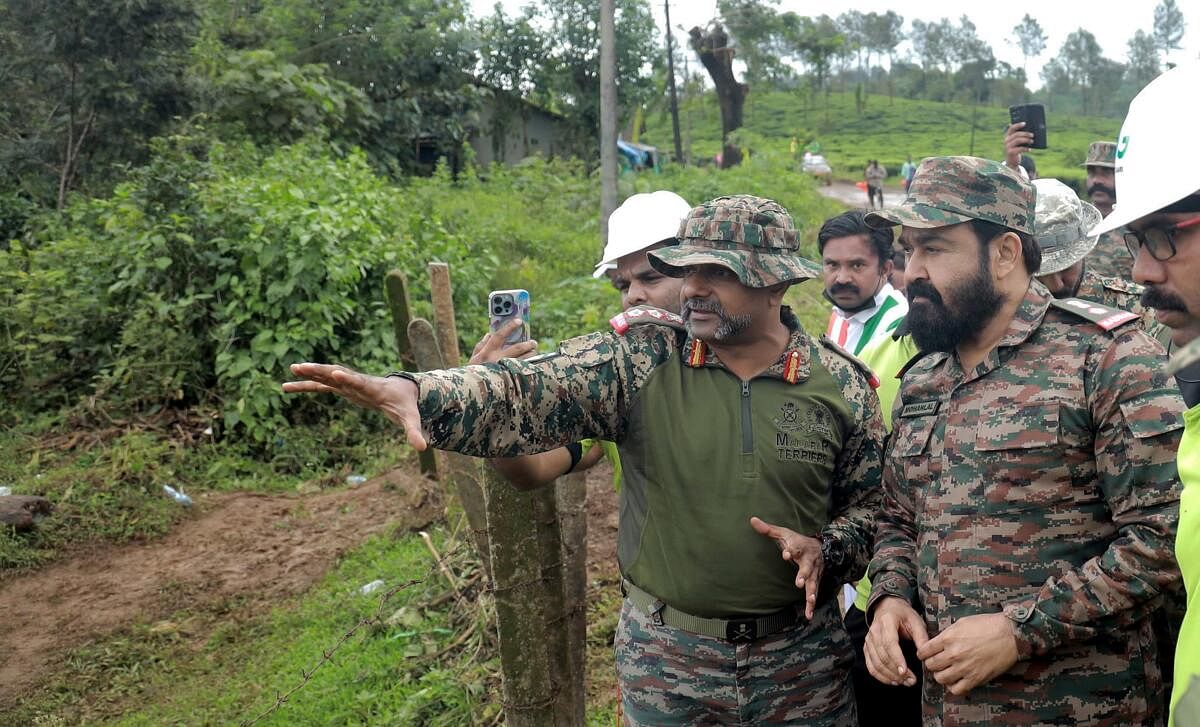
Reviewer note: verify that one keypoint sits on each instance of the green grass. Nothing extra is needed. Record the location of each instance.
(887, 130)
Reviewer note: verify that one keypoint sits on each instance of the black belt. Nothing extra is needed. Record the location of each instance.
(732, 629)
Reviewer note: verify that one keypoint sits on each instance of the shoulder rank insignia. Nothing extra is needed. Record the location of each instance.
(1103, 316)
(643, 314)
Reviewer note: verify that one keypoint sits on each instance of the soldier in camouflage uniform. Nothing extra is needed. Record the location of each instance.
(1060, 229)
(1030, 492)
(740, 436)
(1108, 258)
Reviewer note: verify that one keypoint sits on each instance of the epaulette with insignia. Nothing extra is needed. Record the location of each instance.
(1103, 316)
(827, 342)
(644, 314)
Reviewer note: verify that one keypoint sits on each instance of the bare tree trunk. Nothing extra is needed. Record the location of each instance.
(571, 491)
(529, 692)
(671, 85)
(608, 116)
(717, 57)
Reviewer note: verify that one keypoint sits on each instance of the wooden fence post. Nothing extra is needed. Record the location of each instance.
(443, 313)
(530, 694)
(396, 294)
(571, 493)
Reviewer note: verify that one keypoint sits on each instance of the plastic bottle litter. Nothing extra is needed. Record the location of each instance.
(355, 480)
(371, 587)
(5, 491)
(177, 496)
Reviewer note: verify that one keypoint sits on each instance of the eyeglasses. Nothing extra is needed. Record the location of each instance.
(1158, 241)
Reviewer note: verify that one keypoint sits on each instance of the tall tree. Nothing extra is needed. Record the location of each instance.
(852, 26)
(1031, 39)
(884, 31)
(413, 59)
(817, 41)
(512, 53)
(572, 78)
(1168, 26)
(87, 83)
(713, 47)
(1080, 61)
(756, 29)
(1143, 59)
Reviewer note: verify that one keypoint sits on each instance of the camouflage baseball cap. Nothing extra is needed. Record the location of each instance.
(949, 190)
(1061, 225)
(752, 236)
(1102, 154)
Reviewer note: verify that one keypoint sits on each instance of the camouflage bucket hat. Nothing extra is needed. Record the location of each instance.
(752, 236)
(950, 190)
(1061, 225)
(1102, 154)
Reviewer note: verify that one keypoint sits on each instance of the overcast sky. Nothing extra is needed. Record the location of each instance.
(1113, 23)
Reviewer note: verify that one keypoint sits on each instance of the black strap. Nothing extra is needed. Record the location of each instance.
(575, 449)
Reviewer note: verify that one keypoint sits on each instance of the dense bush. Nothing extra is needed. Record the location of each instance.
(214, 267)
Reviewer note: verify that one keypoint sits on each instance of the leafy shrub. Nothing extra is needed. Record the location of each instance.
(216, 266)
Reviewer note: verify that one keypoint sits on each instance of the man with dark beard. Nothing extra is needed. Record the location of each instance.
(1031, 494)
(741, 439)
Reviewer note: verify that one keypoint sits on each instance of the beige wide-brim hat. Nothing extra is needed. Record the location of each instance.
(1061, 224)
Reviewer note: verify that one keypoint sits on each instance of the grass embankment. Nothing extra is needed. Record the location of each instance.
(887, 130)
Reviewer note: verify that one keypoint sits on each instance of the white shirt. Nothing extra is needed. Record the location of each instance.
(854, 332)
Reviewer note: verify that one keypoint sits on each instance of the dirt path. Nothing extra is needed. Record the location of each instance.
(853, 197)
(266, 547)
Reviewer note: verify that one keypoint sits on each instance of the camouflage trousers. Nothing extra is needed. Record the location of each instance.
(800, 675)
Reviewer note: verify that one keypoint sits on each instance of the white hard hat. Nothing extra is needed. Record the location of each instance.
(1158, 150)
(641, 221)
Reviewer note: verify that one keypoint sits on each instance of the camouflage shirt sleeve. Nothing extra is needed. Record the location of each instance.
(855, 493)
(893, 569)
(1136, 417)
(513, 407)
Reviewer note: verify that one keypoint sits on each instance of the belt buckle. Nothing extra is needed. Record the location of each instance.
(741, 630)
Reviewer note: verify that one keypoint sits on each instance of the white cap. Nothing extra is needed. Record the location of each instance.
(1158, 150)
(640, 222)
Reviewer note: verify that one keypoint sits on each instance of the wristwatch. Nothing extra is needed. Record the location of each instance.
(833, 552)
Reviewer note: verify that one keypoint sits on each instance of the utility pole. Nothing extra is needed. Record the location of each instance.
(608, 115)
(671, 85)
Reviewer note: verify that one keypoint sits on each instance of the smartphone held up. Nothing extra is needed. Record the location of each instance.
(508, 305)
(1034, 116)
